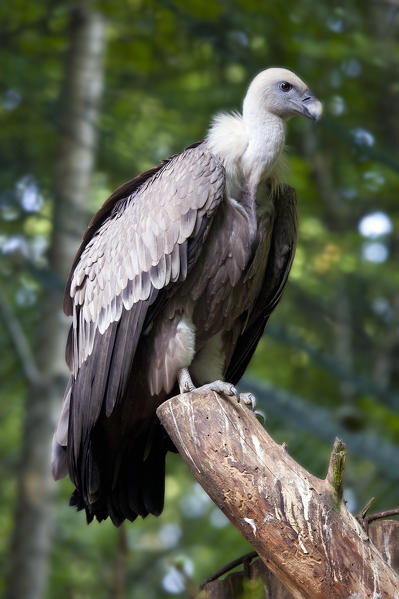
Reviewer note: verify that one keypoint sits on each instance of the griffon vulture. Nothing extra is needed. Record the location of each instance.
(171, 289)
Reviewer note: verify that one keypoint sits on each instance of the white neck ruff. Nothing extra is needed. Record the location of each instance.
(249, 146)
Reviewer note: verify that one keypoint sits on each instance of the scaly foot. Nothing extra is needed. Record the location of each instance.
(226, 389)
(221, 387)
(186, 385)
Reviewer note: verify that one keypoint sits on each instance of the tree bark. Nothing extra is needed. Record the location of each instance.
(257, 577)
(298, 524)
(81, 94)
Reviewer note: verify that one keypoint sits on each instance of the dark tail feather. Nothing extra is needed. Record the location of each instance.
(153, 477)
(130, 484)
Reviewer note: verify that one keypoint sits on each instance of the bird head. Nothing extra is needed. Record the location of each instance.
(281, 93)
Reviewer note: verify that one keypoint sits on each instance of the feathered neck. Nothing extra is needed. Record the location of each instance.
(228, 139)
(249, 145)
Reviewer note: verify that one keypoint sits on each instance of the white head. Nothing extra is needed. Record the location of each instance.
(281, 93)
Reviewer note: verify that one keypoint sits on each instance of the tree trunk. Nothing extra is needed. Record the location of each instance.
(298, 524)
(82, 90)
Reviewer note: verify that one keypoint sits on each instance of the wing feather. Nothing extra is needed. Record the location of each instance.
(142, 257)
(121, 279)
(279, 264)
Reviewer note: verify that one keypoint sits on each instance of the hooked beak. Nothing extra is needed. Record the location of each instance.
(311, 107)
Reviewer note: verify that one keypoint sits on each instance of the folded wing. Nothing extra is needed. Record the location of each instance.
(137, 251)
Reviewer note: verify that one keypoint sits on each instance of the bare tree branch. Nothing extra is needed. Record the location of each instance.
(368, 519)
(243, 559)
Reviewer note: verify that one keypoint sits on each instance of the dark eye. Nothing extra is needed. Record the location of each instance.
(285, 86)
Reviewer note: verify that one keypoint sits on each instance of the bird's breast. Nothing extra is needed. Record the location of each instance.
(230, 270)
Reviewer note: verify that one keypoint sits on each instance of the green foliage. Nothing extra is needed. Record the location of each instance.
(333, 341)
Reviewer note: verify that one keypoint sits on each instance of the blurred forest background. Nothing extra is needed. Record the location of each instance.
(90, 95)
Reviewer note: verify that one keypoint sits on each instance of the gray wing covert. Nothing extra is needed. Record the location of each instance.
(143, 246)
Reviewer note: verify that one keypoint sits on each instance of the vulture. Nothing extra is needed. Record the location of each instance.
(170, 291)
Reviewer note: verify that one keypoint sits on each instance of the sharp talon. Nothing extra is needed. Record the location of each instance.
(249, 400)
(260, 415)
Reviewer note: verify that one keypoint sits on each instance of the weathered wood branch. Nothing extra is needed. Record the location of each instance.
(297, 523)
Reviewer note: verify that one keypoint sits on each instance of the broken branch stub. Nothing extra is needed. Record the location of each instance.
(336, 468)
(315, 547)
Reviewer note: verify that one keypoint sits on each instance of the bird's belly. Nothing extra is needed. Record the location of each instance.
(209, 362)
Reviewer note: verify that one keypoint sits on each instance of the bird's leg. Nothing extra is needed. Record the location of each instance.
(221, 387)
(184, 380)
